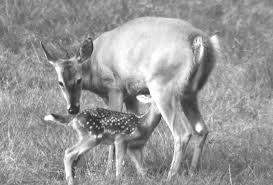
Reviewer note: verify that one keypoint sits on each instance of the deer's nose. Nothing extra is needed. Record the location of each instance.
(74, 110)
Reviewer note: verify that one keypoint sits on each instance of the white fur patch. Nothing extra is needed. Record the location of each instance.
(198, 43)
(49, 118)
(215, 42)
(216, 46)
(144, 98)
(59, 72)
(199, 127)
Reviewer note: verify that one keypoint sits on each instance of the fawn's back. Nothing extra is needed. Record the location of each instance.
(104, 123)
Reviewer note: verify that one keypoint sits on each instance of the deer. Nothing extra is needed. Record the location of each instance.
(128, 132)
(167, 58)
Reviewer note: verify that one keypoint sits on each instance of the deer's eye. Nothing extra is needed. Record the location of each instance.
(61, 84)
(79, 81)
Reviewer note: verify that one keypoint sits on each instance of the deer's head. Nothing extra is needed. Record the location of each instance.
(70, 74)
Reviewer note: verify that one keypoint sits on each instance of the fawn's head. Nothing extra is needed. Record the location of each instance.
(70, 74)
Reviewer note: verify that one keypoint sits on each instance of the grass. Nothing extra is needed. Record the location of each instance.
(237, 102)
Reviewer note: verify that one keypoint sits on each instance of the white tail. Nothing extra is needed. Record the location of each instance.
(49, 118)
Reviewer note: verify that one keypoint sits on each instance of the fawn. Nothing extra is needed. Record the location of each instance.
(127, 131)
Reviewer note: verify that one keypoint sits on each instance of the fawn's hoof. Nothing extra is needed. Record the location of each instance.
(192, 172)
(171, 176)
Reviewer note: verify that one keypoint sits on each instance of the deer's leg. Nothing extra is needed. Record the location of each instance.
(170, 108)
(72, 155)
(136, 156)
(190, 107)
(120, 146)
(115, 103)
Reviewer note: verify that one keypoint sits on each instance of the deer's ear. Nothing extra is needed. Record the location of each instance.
(85, 50)
(51, 59)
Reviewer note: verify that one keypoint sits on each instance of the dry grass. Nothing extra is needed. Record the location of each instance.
(237, 102)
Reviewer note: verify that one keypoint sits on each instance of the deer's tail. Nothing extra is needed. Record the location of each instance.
(206, 52)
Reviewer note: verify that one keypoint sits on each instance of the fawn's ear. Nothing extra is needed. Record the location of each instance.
(144, 98)
(85, 50)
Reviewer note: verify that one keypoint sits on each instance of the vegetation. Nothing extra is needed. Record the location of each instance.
(237, 102)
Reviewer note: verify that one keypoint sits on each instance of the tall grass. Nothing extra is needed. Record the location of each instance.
(236, 103)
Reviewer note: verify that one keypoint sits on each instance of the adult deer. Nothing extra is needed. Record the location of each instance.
(166, 58)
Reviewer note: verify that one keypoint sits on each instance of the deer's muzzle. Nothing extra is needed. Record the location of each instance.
(73, 109)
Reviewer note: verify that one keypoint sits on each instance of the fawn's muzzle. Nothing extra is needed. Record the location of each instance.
(74, 110)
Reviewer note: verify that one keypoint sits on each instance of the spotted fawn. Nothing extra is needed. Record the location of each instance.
(127, 131)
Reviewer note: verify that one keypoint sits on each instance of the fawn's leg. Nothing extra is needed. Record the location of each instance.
(115, 103)
(120, 146)
(136, 156)
(110, 159)
(72, 154)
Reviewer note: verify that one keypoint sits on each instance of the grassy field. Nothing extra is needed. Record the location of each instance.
(237, 102)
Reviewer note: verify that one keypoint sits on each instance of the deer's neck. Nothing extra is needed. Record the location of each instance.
(93, 77)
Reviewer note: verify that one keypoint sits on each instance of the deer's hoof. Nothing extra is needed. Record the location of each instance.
(69, 180)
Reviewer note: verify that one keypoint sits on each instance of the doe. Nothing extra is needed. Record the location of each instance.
(127, 131)
(167, 58)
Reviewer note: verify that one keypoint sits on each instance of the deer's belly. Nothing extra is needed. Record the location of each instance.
(136, 86)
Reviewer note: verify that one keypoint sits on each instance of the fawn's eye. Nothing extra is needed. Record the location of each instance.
(61, 84)
(79, 81)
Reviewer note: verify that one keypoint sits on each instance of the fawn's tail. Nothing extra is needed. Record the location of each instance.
(58, 119)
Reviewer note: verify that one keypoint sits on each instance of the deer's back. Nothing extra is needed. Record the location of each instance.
(142, 48)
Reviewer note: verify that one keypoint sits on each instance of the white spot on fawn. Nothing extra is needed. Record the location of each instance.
(199, 127)
(99, 136)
